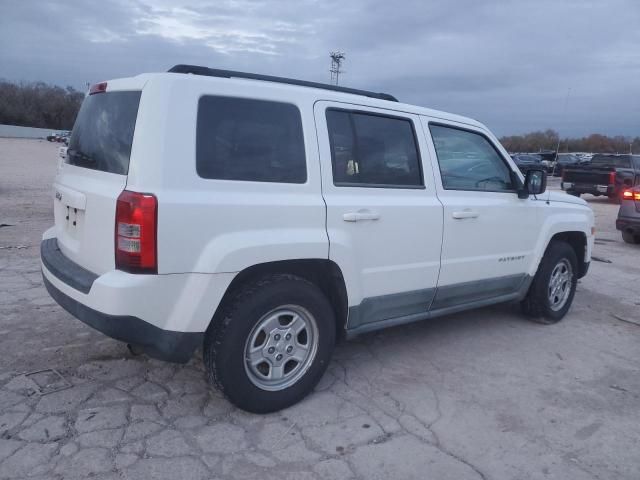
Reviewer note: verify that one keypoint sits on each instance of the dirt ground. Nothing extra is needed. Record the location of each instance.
(483, 394)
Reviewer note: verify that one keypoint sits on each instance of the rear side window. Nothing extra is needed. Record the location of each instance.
(253, 140)
(103, 132)
(373, 150)
(469, 161)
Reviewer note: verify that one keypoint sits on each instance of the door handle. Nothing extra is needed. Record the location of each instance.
(465, 214)
(360, 215)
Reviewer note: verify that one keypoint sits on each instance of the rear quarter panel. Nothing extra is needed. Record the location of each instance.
(214, 226)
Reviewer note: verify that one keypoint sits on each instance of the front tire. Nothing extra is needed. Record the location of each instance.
(271, 343)
(554, 285)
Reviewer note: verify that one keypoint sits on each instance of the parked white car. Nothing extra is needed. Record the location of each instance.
(262, 218)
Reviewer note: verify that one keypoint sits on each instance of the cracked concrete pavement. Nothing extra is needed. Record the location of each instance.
(478, 395)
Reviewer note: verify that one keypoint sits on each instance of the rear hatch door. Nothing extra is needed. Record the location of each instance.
(94, 174)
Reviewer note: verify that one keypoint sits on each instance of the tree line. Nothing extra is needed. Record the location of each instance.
(548, 140)
(38, 104)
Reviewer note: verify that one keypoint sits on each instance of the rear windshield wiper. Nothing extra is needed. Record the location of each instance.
(83, 157)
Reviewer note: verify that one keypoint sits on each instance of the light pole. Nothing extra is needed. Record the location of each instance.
(336, 64)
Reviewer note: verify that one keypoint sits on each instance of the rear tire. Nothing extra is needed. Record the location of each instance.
(554, 285)
(630, 238)
(271, 343)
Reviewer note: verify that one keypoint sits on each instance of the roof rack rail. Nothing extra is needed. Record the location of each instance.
(214, 72)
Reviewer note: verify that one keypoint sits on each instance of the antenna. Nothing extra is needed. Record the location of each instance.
(336, 64)
(564, 114)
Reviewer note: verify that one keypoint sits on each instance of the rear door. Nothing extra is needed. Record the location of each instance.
(489, 233)
(384, 220)
(94, 174)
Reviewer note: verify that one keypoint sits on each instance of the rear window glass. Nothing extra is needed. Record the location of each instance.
(373, 150)
(611, 161)
(251, 140)
(103, 132)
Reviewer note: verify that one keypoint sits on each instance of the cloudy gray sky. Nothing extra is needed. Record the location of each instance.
(506, 63)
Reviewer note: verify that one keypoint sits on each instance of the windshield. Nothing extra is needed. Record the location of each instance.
(103, 132)
(622, 161)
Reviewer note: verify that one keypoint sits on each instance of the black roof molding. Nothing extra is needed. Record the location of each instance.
(214, 72)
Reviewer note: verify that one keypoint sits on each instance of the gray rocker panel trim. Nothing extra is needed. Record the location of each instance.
(375, 309)
(469, 292)
(450, 298)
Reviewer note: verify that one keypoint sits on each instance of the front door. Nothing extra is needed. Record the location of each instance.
(489, 233)
(384, 220)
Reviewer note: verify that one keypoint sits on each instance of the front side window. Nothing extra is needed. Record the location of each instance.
(252, 140)
(373, 150)
(468, 161)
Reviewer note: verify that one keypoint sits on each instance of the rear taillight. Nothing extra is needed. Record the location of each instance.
(612, 178)
(98, 88)
(631, 195)
(136, 232)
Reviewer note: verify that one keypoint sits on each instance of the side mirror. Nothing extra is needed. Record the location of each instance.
(535, 183)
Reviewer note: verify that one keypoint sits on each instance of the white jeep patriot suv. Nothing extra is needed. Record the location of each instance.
(261, 218)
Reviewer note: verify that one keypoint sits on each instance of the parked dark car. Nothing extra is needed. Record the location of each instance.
(628, 221)
(527, 161)
(60, 137)
(548, 159)
(564, 160)
(605, 175)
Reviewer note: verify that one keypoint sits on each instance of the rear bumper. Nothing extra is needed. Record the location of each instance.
(627, 224)
(67, 271)
(588, 188)
(166, 315)
(157, 343)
